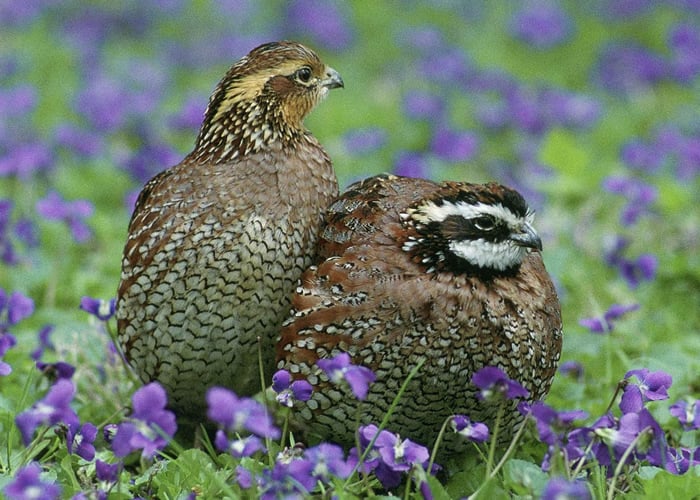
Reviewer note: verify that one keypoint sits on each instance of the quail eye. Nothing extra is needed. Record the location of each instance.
(303, 75)
(484, 223)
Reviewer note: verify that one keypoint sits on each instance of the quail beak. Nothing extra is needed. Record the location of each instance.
(333, 79)
(527, 237)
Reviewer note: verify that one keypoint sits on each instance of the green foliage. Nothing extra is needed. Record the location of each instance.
(578, 218)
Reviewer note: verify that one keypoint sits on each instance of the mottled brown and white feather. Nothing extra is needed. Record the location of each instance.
(381, 298)
(217, 242)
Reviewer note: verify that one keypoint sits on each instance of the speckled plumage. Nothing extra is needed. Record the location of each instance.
(217, 243)
(392, 293)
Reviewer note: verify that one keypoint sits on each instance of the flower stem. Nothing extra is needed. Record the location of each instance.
(623, 459)
(582, 460)
(385, 420)
(438, 440)
(494, 439)
(117, 347)
(266, 404)
(511, 448)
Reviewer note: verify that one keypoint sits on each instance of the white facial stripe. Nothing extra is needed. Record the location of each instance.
(487, 254)
(438, 213)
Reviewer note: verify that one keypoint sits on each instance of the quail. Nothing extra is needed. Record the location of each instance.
(216, 243)
(448, 274)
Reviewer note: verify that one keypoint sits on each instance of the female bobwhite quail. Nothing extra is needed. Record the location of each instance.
(446, 273)
(217, 243)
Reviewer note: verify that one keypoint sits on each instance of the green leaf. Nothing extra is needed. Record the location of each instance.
(674, 197)
(194, 471)
(524, 478)
(437, 489)
(668, 486)
(563, 152)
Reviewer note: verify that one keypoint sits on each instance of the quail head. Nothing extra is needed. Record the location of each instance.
(217, 243)
(448, 274)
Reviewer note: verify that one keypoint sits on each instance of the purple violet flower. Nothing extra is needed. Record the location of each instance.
(625, 10)
(637, 155)
(17, 101)
(149, 427)
(50, 410)
(633, 271)
(552, 426)
(640, 196)
(629, 68)
(573, 369)
(473, 431)
(288, 391)
(325, 22)
(78, 141)
(558, 488)
(238, 447)
(684, 42)
(73, 213)
(641, 269)
(102, 309)
(244, 477)
(395, 456)
(7, 342)
(617, 439)
(26, 232)
(14, 308)
(606, 323)
(411, 164)
(107, 104)
(400, 455)
(28, 485)
(6, 250)
(492, 113)
(109, 431)
(652, 387)
(578, 111)
(420, 105)
(687, 411)
(57, 370)
(25, 160)
(190, 116)
(148, 160)
(107, 472)
(493, 382)
(288, 479)
(80, 439)
(454, 145)
(525, 110)
(541, 24)
(339, 368)
(680, 460)
(366, 140)
(236, 414)
(448, 66)
(426, 39)
(328, 462)
(44, 337)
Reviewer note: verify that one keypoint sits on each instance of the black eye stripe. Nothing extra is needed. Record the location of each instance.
(455, 227)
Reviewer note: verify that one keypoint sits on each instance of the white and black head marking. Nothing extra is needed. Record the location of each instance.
(479, 229)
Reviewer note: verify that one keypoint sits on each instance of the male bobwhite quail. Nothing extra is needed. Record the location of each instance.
(448, 273)
(217, 243)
